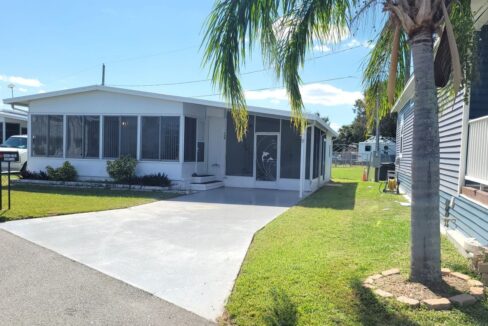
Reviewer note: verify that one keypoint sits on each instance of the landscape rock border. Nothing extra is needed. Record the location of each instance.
(89, 185)
(476, 292)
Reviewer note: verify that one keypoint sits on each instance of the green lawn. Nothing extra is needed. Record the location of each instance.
(317, 253)
(35, 201)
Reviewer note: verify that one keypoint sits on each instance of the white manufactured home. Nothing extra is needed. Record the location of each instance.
(174, 135)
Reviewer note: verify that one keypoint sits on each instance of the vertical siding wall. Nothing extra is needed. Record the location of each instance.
(450, 136)
(471, 218)
(450, 133)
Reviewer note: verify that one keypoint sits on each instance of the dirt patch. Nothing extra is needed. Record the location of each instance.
(399, 285)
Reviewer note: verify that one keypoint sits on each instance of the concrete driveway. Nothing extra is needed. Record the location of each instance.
(187, 250)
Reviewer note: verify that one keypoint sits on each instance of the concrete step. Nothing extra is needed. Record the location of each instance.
(203, 179)
(206, 186)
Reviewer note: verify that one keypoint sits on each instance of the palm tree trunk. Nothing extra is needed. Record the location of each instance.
(425, 221)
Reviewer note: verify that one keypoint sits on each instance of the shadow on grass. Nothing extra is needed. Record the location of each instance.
(371, 311)
(282, 312)
(340, 196)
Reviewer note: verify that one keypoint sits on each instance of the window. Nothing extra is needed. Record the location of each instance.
(239, 155)
(47, 135)
(190, 139)
(367, 148)
(82, 136)
(23, 131)
(128, 136)
(11, 129)
(290, 152)
(160, 138)
(119, 136)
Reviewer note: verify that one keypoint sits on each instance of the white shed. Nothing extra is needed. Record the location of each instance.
(367, 147)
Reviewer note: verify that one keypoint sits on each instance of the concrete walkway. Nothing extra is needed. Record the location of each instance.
(187, 251)
(40, 287)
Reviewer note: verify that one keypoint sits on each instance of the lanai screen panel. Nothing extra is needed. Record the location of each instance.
(239, 155)
(290, 151)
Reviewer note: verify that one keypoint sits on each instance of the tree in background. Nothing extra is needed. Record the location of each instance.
(361, 128)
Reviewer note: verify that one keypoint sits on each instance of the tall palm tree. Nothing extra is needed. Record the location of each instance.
(287, 29)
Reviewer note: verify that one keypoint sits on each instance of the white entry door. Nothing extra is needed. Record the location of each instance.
(266, 159)
(216, 147)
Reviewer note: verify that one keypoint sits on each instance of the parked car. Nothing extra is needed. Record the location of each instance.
(19, 144)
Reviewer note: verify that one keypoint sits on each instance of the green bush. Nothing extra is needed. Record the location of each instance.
(31, 175)
(66, 172)
(156, 180)
(123, 169)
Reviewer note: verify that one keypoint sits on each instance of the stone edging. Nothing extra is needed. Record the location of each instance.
(476, 292)
(90, 185)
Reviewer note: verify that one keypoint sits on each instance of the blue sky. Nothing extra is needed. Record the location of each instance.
(51, 45)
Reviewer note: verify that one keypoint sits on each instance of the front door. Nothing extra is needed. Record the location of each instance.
(267, 159)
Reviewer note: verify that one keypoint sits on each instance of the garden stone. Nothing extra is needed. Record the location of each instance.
(463, 299)
(474, 283)
(389, 272)
(461, 276)
(409, 301)
(477, 292)
(383, 293)
(437, 304)
(445, 271)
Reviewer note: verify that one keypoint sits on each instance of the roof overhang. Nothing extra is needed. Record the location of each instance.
(26, 101)
(407, 94)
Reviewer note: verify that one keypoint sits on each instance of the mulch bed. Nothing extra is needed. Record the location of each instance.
(399, 285)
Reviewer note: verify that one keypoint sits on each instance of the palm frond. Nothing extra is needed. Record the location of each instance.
(304, 21)
(376, 71)
(231, 31)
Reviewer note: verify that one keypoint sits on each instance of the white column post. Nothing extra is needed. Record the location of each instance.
(139, 131)
(312, 145)
(302, 160)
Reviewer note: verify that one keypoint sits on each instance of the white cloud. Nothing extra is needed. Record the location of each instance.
(41, 91)
(321, 48)
(335, 126)
(365, 44)
(22, 90)
(317, 93)
(29, 82)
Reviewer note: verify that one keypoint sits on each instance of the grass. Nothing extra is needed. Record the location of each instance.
(308, 264)
(37, 201)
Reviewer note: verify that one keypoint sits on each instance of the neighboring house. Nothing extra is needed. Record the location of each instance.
(463, 131)
(12, 122)
(368, 147)
(174, 135)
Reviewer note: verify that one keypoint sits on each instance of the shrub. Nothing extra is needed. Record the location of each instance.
(66, 172)
(41, 175)
(123, 169)
(156, 180)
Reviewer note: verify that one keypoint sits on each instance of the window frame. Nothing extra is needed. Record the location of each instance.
(160, 143)
(48, 136)
(83, 141)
